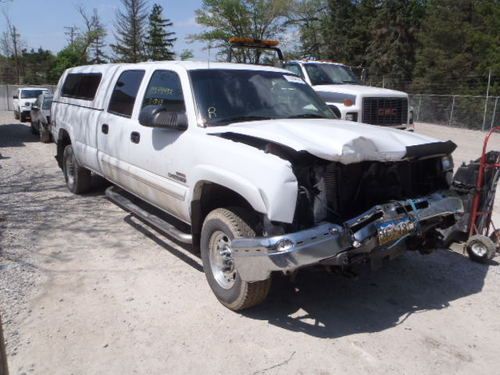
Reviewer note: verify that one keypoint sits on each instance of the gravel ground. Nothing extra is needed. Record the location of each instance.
(87, 289)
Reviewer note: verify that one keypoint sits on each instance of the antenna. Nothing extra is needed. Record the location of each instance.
(209, 48)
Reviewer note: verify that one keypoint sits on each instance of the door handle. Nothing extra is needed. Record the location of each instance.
(105, 128)
(135, 137)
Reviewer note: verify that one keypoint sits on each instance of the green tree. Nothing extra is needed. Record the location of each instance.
(258, 19)
(310, 17)
(391, 50)
(130, 31)
(37, 66)
(338, 29)
(160, 42)
(74, 54)
(94, 36)
(459, 42)
(186, 54)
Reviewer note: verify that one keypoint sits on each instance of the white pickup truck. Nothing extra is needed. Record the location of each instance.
(248, 165)
(24, 99)
(339, 87)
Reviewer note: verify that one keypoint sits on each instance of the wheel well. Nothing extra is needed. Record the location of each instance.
(62, 141)
(208, 197)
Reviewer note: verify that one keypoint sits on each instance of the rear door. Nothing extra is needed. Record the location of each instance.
(115, 125)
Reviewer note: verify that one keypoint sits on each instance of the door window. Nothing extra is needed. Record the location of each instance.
(165, 89)
(294, 68)
(125, 92)
(81, 85)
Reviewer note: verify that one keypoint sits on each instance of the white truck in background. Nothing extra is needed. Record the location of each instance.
(351, 100)
(24, 99)
(248, 166)
(339, 87)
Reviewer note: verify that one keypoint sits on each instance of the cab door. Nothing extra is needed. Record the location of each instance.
(160, 157)
(116, 125)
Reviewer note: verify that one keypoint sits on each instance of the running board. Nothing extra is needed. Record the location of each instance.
(158, 223)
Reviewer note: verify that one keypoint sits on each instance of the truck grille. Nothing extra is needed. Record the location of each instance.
(385, 111)
(354, 188)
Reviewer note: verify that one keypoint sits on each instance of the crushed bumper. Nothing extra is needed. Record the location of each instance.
(380, 228)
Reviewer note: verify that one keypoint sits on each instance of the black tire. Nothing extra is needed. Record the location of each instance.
(480, 248)
(22, 117)
(235, 294)
(44, 134)
(77, 178)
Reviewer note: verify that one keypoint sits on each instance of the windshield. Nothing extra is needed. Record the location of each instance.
(330, 74)
(31, 94)
(228, 96)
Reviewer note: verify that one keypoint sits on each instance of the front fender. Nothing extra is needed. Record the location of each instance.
(274, 197)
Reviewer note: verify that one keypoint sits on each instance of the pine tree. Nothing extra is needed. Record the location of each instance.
(159, 42)
(459, 42)
(97, 54)
(338, 29)
(391, 50)
(130, 26)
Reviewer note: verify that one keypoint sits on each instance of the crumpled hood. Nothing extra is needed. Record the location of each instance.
(342, 141)
(360, 90)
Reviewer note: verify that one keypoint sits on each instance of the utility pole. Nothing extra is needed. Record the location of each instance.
(15, 44)
(71, 32)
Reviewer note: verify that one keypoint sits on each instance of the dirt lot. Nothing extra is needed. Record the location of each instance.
(87, 289)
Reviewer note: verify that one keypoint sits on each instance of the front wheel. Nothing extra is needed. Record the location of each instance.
(77, 177)
(219, 228)
(480, 248)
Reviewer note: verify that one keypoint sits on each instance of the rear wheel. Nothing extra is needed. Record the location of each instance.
(480, 248)
(44, 134)
(220, 227)
(77, 177)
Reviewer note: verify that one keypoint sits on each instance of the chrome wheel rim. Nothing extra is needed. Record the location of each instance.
(221, 260)
(70, 171)
(479, 249)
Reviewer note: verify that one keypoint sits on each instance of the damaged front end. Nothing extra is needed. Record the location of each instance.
(353, 213)
(383, 231)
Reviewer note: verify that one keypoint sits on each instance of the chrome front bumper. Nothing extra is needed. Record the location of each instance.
(256, 258)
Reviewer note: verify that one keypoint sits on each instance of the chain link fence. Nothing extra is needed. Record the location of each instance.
(479, 112)
(461, 111)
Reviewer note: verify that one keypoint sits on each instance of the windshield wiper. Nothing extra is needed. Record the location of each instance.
(228, 120)
(307, 115)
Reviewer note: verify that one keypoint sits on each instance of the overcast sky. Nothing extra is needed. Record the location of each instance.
(41, 22)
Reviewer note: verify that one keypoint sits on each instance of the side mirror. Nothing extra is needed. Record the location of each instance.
(157, 116)
(15, 97)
